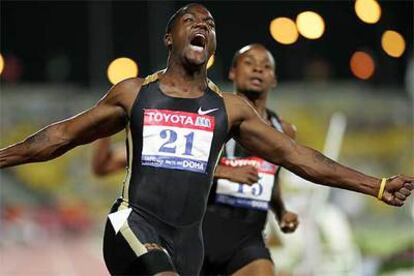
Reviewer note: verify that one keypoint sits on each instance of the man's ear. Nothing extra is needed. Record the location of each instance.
(274, 83)
(231, 74)
(168, 40)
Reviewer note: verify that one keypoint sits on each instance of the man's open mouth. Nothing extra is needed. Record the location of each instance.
(256, 80)
(198, 42)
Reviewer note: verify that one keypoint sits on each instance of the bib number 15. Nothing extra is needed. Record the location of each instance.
(256, 189)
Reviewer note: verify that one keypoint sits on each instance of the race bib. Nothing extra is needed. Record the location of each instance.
(256, 196)
(177, 140)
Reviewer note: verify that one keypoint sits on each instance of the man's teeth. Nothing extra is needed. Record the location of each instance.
(256, 81)
(197, 48)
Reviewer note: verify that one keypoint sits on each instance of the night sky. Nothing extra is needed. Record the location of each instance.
(38, 32)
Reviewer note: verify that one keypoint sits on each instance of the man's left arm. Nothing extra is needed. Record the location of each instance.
(266, 142)
(288, 221)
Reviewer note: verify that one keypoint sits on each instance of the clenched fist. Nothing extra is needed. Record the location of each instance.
(242, 175)
(397, 190)
(288, 222)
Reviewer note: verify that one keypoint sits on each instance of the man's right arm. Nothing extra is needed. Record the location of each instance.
(243, 175)
(107, 117)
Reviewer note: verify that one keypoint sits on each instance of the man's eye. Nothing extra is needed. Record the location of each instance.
(188, 19)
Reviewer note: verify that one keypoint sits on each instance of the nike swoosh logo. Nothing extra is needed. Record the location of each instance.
(204, 112)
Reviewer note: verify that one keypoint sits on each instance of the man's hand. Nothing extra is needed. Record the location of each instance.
(397, 190)
(242, 175)
(288, 222)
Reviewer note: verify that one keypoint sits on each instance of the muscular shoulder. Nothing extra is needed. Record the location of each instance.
(236, 102)
(289, 129)
(238, 109)
(124, 93)
(125, 88)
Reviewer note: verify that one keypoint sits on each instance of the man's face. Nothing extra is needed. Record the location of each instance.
(254, 71)
(193, 35)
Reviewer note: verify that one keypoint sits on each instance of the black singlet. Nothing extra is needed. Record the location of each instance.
(173, 146)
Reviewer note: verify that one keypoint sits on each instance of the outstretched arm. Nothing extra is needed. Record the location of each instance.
(107, 117)
(107, 160)
(259, 138)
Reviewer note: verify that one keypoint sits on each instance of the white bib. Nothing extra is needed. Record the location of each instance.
(177, 140)
(256, 196)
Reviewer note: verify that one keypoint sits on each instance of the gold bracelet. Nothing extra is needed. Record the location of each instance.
(381, 189)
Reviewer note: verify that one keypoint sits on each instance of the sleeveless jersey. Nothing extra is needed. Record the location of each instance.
(173, 145)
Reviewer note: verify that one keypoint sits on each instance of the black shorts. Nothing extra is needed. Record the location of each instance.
(248, 250)
(125, 252)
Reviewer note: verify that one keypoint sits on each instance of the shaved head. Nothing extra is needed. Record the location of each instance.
(247, 48)
(178, 14)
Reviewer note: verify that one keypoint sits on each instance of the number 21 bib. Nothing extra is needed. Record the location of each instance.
(177, 140)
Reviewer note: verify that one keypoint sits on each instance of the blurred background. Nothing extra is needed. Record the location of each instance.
(344, 67)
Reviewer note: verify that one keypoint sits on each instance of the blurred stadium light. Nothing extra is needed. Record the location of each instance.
(310, 24)
(121, 69)
(393, 43)
(369, 11)
(283, 30)
(362, 65)
(210, 62)
(1, 64)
